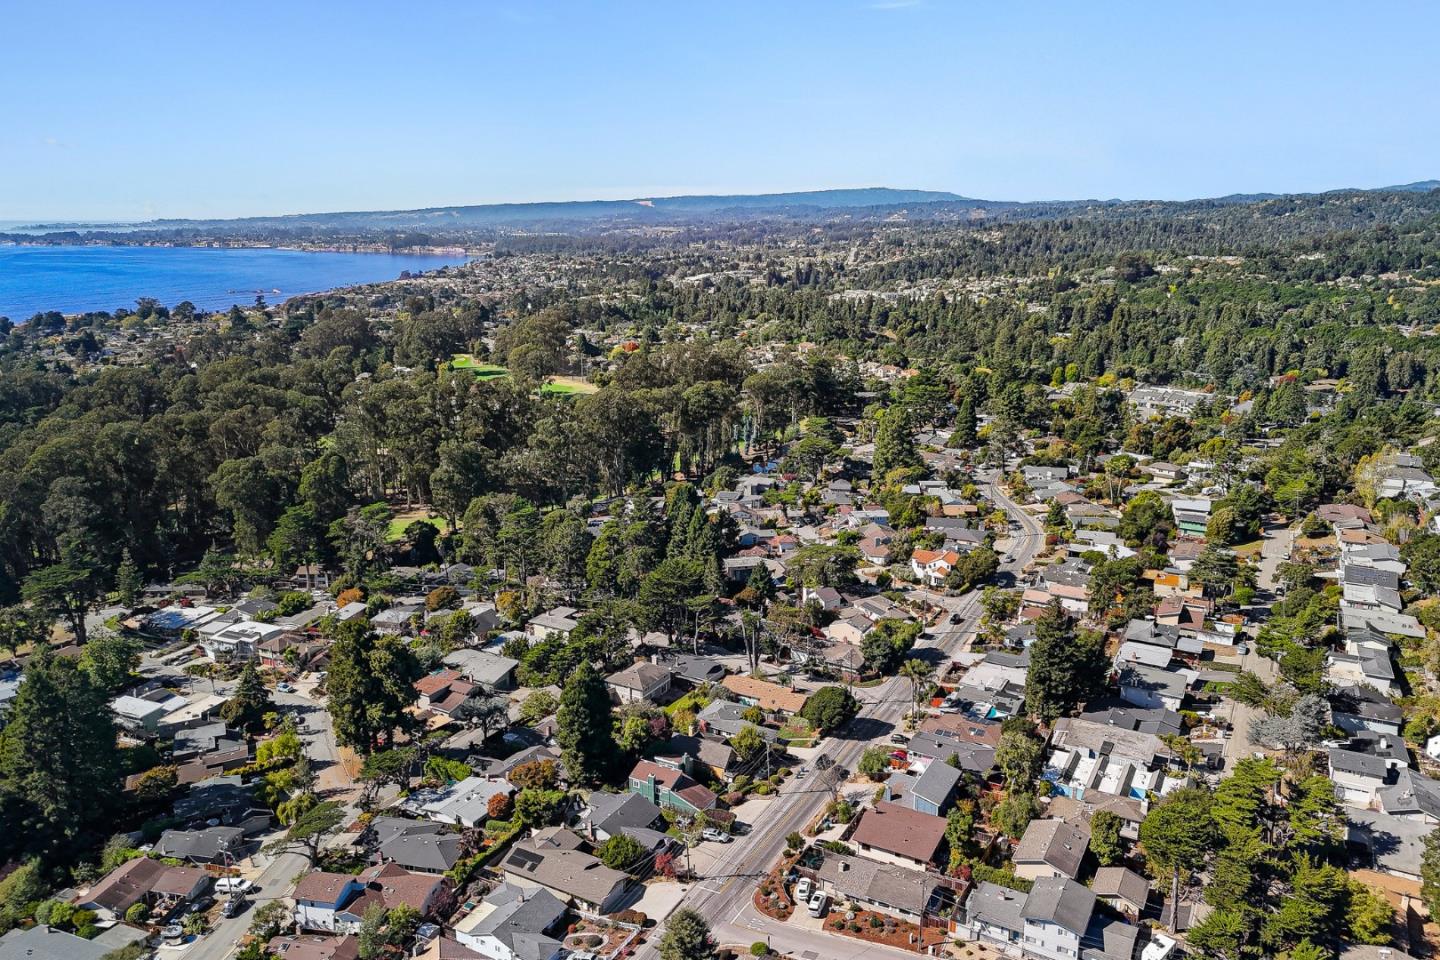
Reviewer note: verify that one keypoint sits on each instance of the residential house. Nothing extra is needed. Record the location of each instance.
(1192, 515)
(207, 845)
(692, 671)
(770, 697)
(1123, 889)
(308, 946)
(513, 923)
(668, 787)
(142, 880)
(931, 567)
(1051, 848)
(722, 719)
(337, 902)
(1092, 761)
(684, 752)
(891, 833)
(553, 861)
(1154, 688)
(641, 682)
(444, 691)
(932, 791)
(48, 943)
(465, 802)
(608, 814)
(489, 670)
(556, 622)
(883, 888)
(1360, 707)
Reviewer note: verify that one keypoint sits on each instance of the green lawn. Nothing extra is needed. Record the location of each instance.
(396, 530)
(482, 371)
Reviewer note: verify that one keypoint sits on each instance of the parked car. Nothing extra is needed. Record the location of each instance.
(802, 890)
(234, 907)
(284, 687)
(234, 885)
(719, 836)
(202, 904)
(899, 739)
(818, 902)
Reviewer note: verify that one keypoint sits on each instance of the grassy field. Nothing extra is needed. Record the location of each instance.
(482, 371)
(569, 386)
(400, 521)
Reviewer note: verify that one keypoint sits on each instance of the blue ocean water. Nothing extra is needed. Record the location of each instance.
(75, 279)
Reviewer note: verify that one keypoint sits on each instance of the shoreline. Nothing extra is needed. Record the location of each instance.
(422, 251)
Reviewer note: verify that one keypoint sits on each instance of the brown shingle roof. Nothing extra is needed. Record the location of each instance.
(899, 830)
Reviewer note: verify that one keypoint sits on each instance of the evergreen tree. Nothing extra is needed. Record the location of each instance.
(248, 705)
(586, 726)
(59, 768)
(1066, 668)
(895, 444)
(966, 433)
(687, 937)
(128, 582)
(371, 685)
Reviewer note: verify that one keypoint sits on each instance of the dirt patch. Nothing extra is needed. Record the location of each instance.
(879, 928)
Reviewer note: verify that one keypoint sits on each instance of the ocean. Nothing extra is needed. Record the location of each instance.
(75, 279)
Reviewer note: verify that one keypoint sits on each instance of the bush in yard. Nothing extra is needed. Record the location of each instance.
(759, 949)
(499, 806)
(794, 841)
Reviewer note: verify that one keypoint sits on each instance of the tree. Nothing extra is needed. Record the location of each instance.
(830, 708)
(895, 443)
(585, 726)
(371, 684)
(128, 580)
(621, 852)
(59, 767)
(537, 706)
(1216, 568)
(1014, 813)
(1105, 838)
(311, 829)
(687, 937)
(875, 763)
(809, 456)
(919, 673)
(973, 569)
(1221, 934)
(1020, 757)
(63, 591)
(535, 775)
(1178, 834)
(1066, 668)
(1368, 915)
(1147, 518)
(386, 932)
(747, 743)
(111, 661)
(1430, 872)
(540, 808)
(248, 705)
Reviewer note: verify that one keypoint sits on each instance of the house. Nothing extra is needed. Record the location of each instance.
(695, 671)
(1057, 913)
(310, 576)
(556, 622)
(641, 682)
(1051, 848)
(297, 946)
(143, 880)
(209, 845)
(891, 833)
(894, 891)
(47, 943)
(1093, 762)
(667, 787)
(1192, 515)
(513, 923)
(422, 850)
(444, 691)
(933, 566)
(1358, 777)
(849, 628)
(1123, 889)
(1359, 707)
(686, 753)
(466, 802)
(722, 719)
(934, 790)
(1154, 688)
(608, 814)
(770, 697)
(489, 670)
(1161, 470)
(231, 638)
(396, 619)
(929, 749)
(337, 902)
(828, 598)
(552, 860)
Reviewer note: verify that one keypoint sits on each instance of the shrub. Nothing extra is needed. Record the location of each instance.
(137, 913)
(442, 598)
(794, 841)
(764, 789)
(759, 949)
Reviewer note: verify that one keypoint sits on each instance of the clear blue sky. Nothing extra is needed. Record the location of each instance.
(120, 111)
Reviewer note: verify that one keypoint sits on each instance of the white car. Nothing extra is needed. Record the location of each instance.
(818, 902)
(234, 885)
(719, 836)
(802, 890)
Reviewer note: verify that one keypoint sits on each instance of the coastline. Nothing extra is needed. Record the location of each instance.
(436, 250)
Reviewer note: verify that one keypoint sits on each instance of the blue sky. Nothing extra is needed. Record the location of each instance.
(124, 111)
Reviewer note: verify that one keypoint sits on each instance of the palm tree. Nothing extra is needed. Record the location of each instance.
(918, 672)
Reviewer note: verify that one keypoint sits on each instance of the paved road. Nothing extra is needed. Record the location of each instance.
(275, 881)
(725, 897)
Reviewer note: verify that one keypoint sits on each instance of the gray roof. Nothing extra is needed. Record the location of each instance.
(936, 783)
(206, 844)
(621, 812)
(46, 943)
(1360, 764)
(998, 906)
(869, 880)
(975, 757)
(549, 863)
(520, 921)
(1109, 939)
(1060, 901)
(429, 852)
(386, 829)
(1123, 883)
(1056, 843)
(481, 666)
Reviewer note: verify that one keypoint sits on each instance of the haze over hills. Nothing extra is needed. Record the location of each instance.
(802, 205)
